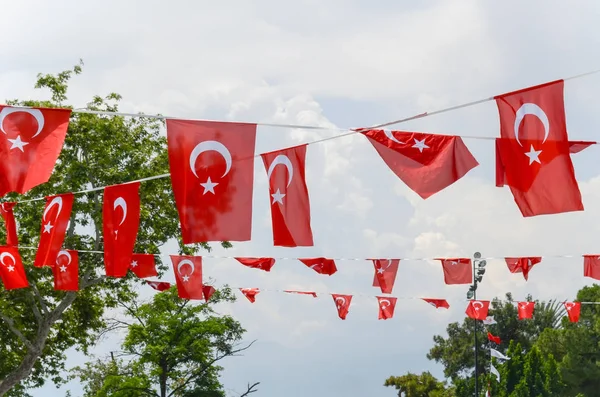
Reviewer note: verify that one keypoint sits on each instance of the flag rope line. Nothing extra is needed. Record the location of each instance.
(349, 132)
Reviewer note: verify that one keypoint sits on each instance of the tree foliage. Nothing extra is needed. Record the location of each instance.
(423, 385)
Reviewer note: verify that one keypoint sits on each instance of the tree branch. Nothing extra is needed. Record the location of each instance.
(146, 390)
(36, 292)
(250, 389)
(11, 325)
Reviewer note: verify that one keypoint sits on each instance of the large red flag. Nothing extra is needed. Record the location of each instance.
(55, 221)
(387, 304)
(30, 142)
(385, 274)
(573, 311)
(525, 309)
(342, 304)
(522, 265)
(320, 265)
(12, 271)
(121, 221)
(534, 150)
(591, 266)
(290, 206)
(427, 163)
(143, 265)
(457, 271)
(66, 271)
(478, 310)
(188, 275)
(6, 210)
(258, 263)
(212, 172)
(437, 303)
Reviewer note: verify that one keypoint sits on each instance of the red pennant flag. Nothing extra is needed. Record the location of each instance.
(478, 310)
(535, 152)
(525, 309)
(66, 271)
(188, 275)
(342, 303)
(495, 339)
(313, 294)
(387, 304)
(437, 303)
(212, 172)
(573, 311)
(12, 271)
(385, 274)
(143, 265)
(159, 285)
(121, 221)
(250, 293)
(290, 206)
(6, 210)
(30, 141)
(320, 265)
(257, 263)
(55, 221)
(591, 266)
(457, 271)
(427, 163)
(207, 292)
(522, 265)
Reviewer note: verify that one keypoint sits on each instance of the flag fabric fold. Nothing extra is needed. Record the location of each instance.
(55, 221)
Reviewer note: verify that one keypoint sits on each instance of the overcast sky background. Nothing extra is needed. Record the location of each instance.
(342, 63)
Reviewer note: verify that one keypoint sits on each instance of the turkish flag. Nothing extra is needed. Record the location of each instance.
(188, 276)
(207, 292)
(427, 163)
(525, 309)
(522, 265)
(159, 285)
(342, 303)
(6, 210)
(30, 142)
(385, 274)
(257, 263)
(591, 266)
(437, 303)
(55, 221)
(387, 304)
(478, 310)
(457, 271)
(12, 271)
(250, 293)
(320, 265)
(495, 339)
(66, 271)
(534, 150)
(311, 293)
(290, 206)
(212, 172)
(143, 265)
(573, 311)
(121, 221)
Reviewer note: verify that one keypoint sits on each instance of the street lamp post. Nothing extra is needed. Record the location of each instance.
(478, 272)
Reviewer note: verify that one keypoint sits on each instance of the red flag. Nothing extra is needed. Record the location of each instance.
(212, 172)
(66, 271)
(385, 274)
(121, 221)
(495, 339)
(427, 163)
(313, 294)
(250, 293)
(188, 275)
(534, 150)
(143, 265)
(55, 221)
(159, 285)
(30, 141)
(207, 292)
(591, 266)
(478, 310)
(6, 210)
(525, 309)
(387, 304)
(522, 265)
(320, 265)
(12, 271)
(457, 271)
(437, 303)
(258, 263)
(290, 206)
(342, 303)
(573, 311)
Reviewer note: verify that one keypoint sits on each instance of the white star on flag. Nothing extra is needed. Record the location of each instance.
(209, 186)
(63, 268)
(18, 143)
(47, 227)
(186, 278)
(278, 197)
(420, 144)
(11, 268)
(134, 264)
(533, 155)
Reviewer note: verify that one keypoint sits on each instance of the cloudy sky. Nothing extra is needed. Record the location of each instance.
(342, 64)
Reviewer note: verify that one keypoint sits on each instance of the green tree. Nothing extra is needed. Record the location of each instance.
(38, 323)
(173, 347)
(423, 385)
